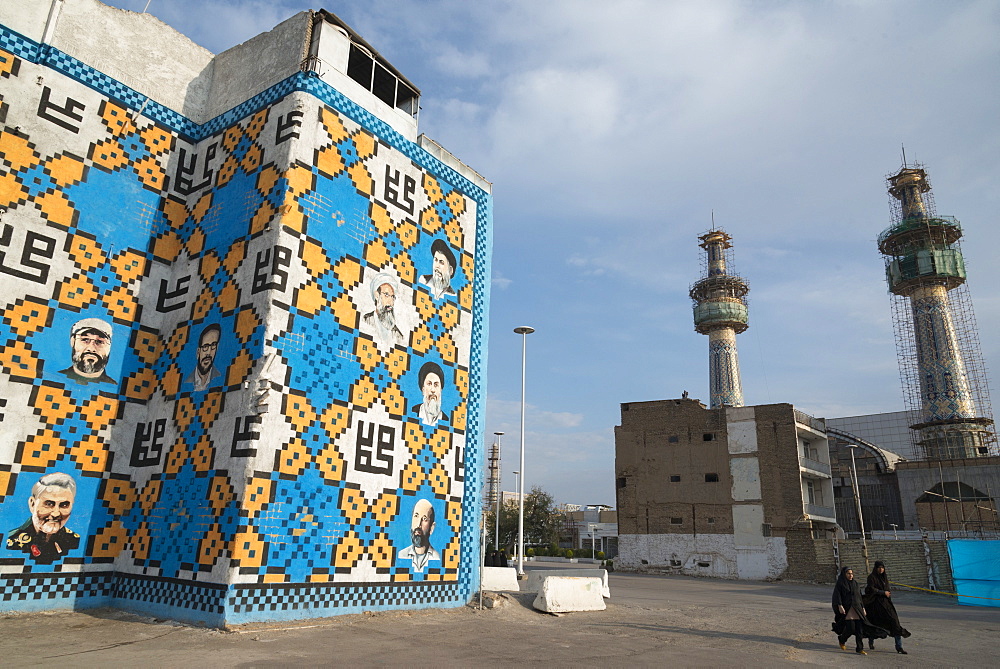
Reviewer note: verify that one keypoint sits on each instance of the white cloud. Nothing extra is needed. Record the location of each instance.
(500, 281)
(507, 415)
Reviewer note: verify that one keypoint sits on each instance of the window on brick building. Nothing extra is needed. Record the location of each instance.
(708, 436)
(711, 478)
(676, 521)
(675, 479)
(673, 439)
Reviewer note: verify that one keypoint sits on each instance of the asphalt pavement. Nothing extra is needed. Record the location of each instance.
(650, 620)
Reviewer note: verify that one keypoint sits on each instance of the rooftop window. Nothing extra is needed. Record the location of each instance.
(365, 69)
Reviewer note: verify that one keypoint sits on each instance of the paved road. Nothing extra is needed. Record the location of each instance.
(650, 620)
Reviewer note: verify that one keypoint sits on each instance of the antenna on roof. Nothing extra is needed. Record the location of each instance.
(904, 154)
(713, 219)
(147, 6)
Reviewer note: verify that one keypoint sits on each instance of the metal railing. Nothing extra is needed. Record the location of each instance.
(815, 465)
(821, 511)
(817, 424)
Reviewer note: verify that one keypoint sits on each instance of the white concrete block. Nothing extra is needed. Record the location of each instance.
(500, 578)
(561, 594)
(536, 576)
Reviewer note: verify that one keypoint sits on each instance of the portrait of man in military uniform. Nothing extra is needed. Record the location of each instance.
(44, 536)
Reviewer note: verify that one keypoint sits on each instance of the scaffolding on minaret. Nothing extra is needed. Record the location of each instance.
(720, 311)
(937, 342)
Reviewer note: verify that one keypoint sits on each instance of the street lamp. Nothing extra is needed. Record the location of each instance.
(524, 331)
(517, 479)
(496, 518)
(857, 504)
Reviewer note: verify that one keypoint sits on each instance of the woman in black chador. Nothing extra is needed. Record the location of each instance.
(849, 613)
(881, 611)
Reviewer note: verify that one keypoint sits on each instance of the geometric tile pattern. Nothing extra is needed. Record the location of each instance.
(103, 587)
(299, 453)
(944, 384)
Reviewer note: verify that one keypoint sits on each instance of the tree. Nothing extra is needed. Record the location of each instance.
(541, 518)
(541, 521)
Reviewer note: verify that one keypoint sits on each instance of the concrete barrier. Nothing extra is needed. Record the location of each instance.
(562, 594)
(500, 578)
(536, 576)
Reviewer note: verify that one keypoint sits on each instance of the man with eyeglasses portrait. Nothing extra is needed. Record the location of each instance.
(205, 374)
(90, 347)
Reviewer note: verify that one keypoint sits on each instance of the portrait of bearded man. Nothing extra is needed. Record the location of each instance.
(90, 349)
(420, 551)
(431, 379)
(442, 270)
(382, 319)
(205, 374)
(44, 536)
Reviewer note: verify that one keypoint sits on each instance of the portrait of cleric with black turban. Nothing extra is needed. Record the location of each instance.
(442, 270)
(431, 386)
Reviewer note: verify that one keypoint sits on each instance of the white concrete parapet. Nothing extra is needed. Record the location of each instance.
(500, 578)
(537, 576)
(561, 594)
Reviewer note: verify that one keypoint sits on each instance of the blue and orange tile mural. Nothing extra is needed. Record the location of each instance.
(241, 362)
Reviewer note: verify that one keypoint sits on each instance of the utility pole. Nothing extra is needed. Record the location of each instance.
(857, 504)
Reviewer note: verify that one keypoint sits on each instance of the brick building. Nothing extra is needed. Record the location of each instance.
(719, 492)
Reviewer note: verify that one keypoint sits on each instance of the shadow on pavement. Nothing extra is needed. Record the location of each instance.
(715, 634)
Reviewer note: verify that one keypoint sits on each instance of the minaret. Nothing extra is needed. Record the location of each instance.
(720, 311)
(940, 361)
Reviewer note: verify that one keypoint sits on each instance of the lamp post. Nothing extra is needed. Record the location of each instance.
(524, 331)
(496, 518)
(857, 504)
(517, 479)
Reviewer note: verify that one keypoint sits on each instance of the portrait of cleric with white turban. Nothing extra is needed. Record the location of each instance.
(442, 270)
(382, 319)
(431, 385)
(90, 348)
(44, 536)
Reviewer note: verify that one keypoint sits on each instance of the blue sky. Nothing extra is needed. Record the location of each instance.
(612, 130)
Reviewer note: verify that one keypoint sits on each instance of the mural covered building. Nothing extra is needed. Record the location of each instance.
(243, 325)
